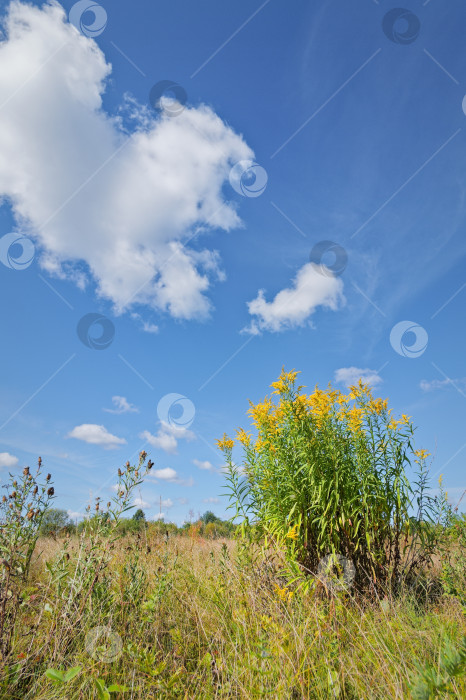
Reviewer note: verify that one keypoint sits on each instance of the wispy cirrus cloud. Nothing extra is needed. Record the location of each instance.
(121, 405)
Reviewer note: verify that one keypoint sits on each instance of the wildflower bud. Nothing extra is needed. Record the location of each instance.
(97, 506)
(30, 515)
(49, 476)
(150, 464)
(127, 465)
(35, 490)
(108, 504)
(136, 474)
(120, 473)
(121, 494)
(39, 461)
(50, 491)
(4, 499)
(26, 471)
(143, 454)
(13, 495)
(15, 484)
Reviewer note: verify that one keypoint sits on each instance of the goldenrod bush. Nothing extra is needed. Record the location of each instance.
(326, 476)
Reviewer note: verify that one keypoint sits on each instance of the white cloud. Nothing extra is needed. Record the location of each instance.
(140, 503)
(8, 460)
(75, 515)
(206, 465)
(293, 306)
(441, 383)
(146, 326)
(158, 516)
(351, 375)
(211, 499)
(86, 191)
(167, 503)
(170, 475)
(167, 437)
(96, 435)
(166, 474)
(121, 406)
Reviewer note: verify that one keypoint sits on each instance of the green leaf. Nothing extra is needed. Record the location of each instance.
(102, 691)
(71, 673)
(55, 675)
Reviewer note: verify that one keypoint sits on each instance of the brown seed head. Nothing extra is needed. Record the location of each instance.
(50, 491)
(26, 471)
(39, 461)
(49, 476)
(30, 515)
(150, 464)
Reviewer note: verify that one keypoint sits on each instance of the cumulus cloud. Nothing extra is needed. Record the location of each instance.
(121, 406)
(166, 474)
(167, 437)
(167, 502)
(8, 460)
(293, 306)
(351, 375)
(105, 204)
(441, 383)
(205, 465)
(75, 515)
(96, 435)
(140, 503)
(170, 475)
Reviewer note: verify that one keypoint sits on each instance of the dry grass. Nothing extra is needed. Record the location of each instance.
(200, 619)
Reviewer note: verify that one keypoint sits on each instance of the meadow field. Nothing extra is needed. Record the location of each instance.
(329, 584)
(204, 618)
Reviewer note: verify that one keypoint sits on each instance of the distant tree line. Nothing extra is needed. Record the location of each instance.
(56, 521)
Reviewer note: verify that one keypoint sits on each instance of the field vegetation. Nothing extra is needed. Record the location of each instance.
(342, 577)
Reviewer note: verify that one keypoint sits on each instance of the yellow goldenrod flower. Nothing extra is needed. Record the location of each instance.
(422, 454)
(243, 437)
(293, 533)
(283, 593)
(225, 443)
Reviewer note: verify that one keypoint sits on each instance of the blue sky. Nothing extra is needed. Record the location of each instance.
(134, 212)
